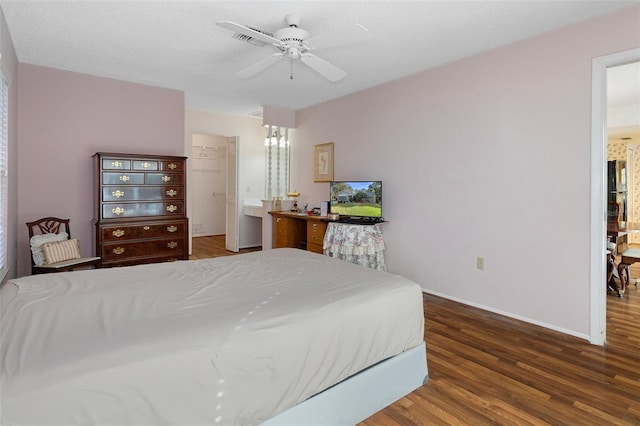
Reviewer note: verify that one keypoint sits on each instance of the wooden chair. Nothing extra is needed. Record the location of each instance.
(52, 230)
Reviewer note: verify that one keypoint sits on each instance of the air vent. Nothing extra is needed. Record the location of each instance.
(251, 40)
(626, 138)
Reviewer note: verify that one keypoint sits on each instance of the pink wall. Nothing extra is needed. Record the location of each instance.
(488, 156)
(63, 119)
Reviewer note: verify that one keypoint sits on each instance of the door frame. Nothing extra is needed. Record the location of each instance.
(598, 222)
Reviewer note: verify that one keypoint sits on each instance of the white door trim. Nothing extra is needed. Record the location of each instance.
(597, 329)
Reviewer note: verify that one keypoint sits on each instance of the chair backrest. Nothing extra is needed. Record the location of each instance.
(48, 225)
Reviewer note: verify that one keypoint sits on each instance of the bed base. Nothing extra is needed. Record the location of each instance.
(361, 395)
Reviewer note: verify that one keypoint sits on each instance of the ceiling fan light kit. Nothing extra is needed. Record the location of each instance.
(296, 43)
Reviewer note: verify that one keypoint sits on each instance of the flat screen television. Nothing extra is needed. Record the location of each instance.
(356, 200)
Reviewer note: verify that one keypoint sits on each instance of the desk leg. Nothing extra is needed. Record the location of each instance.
(624, 274)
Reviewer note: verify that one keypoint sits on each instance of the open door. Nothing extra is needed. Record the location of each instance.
(232, 240)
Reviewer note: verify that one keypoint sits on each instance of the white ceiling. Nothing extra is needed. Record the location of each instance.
(176, 44)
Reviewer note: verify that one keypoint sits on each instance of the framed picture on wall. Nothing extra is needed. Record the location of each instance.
(323, 162)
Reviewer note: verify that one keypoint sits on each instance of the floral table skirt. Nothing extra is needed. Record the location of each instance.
(359, 244)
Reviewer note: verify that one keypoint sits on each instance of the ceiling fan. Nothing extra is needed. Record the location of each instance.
(295, 43)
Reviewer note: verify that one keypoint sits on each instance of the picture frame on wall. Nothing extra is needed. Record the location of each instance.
(323, 162)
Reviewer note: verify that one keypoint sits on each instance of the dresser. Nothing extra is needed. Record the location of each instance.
(140, 209)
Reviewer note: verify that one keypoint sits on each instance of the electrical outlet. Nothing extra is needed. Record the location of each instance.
(480, 263)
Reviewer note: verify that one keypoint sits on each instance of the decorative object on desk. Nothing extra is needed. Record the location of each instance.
(324, 208)
(294, 195)
(323, 162)
(333, 216)
(277, 204)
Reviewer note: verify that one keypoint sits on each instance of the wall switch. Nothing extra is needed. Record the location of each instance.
(480, 263)
(248, 188)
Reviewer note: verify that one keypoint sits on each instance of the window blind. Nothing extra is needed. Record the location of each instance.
(4, 172)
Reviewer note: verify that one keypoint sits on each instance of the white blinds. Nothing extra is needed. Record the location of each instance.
(3, 171)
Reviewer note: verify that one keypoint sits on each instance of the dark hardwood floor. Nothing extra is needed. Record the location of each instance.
(486, 369)
(206, 247)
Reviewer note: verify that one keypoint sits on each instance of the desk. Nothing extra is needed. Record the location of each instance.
(359, 244)
(298, 230)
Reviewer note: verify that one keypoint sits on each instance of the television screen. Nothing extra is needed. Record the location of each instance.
(362, 199)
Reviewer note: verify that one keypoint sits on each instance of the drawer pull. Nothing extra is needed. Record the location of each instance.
(125, 178)
(278, 220)
(172, 245)
(314, 226)
(118, 250)
(172, 193)
(171, 208)
(118, 210)
(146, 227)
(172, 166)
(118, 193)
(146, 165)
(172, 228)
(166, 178)
(118, 233)
(116, 164)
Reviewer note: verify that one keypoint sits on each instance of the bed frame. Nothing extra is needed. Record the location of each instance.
(361, 395)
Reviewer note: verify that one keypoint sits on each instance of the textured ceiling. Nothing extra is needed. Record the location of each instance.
(176, 44)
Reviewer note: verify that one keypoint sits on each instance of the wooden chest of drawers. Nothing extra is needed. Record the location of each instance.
(297, 231)
(140, 208)
(315, 235)
(288, 232)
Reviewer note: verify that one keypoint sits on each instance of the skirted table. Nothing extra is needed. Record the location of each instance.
(359, 244)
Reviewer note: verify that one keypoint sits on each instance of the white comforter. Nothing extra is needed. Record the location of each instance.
(232, 340)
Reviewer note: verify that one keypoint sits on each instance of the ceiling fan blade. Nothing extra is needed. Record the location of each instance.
(322, 67)
(248, 32)
(340, 37)
(260, 65)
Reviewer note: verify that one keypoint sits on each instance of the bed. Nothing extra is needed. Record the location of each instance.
(280, 336)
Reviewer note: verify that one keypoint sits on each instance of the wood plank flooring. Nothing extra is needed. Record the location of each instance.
(486, 369)
(206, 247)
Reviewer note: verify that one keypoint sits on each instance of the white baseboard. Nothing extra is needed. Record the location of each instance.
(509, 314)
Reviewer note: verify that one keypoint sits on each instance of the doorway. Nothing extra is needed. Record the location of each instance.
(598, 188)
(208, 180)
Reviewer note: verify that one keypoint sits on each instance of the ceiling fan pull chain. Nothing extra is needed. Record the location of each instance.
(291, 72)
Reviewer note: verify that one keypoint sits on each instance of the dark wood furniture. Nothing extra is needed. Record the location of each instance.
(54, 225)
(140, 208)
(298, 231)
(627, 258)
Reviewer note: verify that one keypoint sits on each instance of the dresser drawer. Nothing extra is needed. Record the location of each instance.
(120, 210)
(145, 165)
(165, 179)
(140, 260)
(315, 232)
(142, 193)
(116, 164)
(126, 250)
(122, 178)
(142, 230)
(315, 248)
(172, 166)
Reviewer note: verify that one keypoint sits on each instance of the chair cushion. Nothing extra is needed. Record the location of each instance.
(57, 251)
(37, 241)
